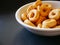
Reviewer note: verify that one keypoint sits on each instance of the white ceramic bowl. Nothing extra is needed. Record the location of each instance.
(39, 31)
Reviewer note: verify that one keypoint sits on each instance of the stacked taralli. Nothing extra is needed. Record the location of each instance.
(41, 15)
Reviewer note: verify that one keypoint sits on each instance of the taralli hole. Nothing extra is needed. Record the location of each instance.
(44, 10)
(53, 13)
(32, 15)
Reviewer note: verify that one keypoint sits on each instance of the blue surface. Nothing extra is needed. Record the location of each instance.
(12, 33)
(25, 37)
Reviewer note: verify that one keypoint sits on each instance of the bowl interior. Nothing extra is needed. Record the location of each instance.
(22, 9)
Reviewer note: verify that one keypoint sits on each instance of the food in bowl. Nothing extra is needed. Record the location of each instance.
(41, 15)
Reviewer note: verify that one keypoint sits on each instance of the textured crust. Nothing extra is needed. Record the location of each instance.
(49, 23)
(54, 14)
(40, 20)
(29, 23)
(33, 15)
(24, 16)
(45, 9)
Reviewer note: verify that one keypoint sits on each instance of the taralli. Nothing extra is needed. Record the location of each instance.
(29, 23)
(34, 6)
(30, 8)
(44, 11)
(42, 15)
(58, 21)
(39, 25)
(57, 26)
(38, 2)
(38, 8)
(41, 18)
(33, 15)
(24, 16)
(49, 23)
(47, 5)
(54, 14)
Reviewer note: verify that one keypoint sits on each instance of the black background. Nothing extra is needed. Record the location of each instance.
(12, 33)
(12, 5)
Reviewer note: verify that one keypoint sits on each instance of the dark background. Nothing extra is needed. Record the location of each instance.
(12, 33)
(12, 5)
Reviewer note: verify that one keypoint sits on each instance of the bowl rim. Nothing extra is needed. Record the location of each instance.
(35, 28)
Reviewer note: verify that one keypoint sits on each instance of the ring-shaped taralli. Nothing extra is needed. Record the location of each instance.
(30, 8)
(24, 16)
(34, 6)
(38, 2)
(47, 5)
(44, 11)
(28, 22)
(33, 15)
(54, 14)
(49, 23)
(38, 8)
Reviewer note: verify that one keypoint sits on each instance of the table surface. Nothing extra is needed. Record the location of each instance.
(12, 33)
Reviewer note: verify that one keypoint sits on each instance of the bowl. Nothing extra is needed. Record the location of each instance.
(39, 31)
